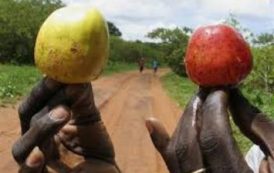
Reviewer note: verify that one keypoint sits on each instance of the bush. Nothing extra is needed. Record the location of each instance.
(176, 62)
(173, 44)
(20, 22)
(131, 51)
(262, 76)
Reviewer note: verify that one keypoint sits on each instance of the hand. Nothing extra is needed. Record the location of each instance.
(255, 125)
(202, 141)
(57, 113)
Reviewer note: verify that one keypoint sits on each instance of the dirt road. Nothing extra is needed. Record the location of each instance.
(125, 101)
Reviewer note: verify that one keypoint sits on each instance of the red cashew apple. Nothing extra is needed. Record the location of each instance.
(217, 55)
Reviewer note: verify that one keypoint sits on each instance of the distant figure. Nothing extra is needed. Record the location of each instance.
(141, 64)
(155, 66)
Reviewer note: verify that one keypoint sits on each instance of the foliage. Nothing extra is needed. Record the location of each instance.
(20, 22)
(243, 142)
(246, 33)
(173, 43)
(262, 76)
(181, 89)
(131, 51)
(259, 86)
(118, 67)
(16, 80)
(264, 39)
(113, 30)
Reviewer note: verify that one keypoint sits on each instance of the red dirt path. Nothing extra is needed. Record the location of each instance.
(125, 101)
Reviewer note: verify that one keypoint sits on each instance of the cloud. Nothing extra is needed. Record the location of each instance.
(136, 18)
(247, 7)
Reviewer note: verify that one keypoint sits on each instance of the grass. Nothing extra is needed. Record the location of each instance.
(115, 67)
(16, 81)
(181, 90)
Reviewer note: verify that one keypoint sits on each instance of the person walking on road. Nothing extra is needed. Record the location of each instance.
(141, 64)
(155, 66)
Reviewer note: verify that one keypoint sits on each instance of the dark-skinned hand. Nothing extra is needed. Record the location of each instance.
(203, 142)
(198, 143)
(55, 114)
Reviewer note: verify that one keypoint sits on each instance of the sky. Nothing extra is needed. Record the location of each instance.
(136, 18)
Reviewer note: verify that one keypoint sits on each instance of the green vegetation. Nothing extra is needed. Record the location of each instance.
(115, 67)
(173, 45)
(258, 87)
(20, 22)
(182, 89)
(131, 51)
(16, 80)
(179, 88)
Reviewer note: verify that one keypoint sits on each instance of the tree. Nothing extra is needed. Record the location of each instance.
(174, 43)
(113, 30)
(20, 22)
(264, 39)
(130, 51)
(263, 72)
(246, 33)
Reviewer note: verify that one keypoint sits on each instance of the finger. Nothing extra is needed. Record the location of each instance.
(158, 134)
(50, 147)
(86, 121)
(82, 103)
(184, 142)
(34, 163)
(252, 122)
(219, 149)
(42, 130)
(37, 99)
(89, 140)
(79, 97)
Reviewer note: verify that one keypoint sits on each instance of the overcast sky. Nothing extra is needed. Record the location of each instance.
(136, 18)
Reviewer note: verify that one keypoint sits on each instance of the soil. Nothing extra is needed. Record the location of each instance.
(125, 101)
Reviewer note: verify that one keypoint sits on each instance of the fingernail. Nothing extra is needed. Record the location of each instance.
(35, 159)
(60, 113)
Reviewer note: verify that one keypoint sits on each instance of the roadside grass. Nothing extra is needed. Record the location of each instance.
(181, 90)
(118, 67)
(16, 81)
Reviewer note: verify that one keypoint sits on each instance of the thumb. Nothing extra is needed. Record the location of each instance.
(34, 163)
(42, 130)
(158, 134)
